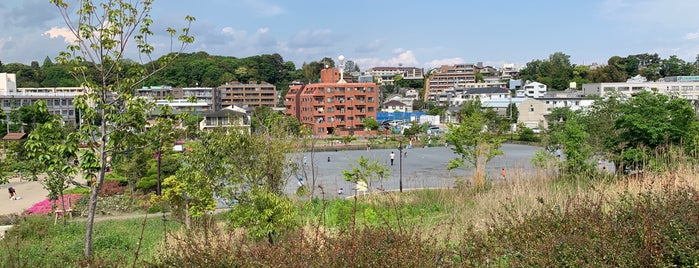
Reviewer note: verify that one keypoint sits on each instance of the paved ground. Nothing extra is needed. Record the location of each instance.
(423, 167)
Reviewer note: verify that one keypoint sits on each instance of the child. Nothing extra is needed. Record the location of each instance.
(12, 192)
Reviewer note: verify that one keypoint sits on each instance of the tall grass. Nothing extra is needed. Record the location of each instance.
(528, 220)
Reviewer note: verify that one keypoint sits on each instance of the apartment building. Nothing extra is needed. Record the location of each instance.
(207, 99)
(386, 75)
(333, 106)
(683, 88)
(252, 94)
(59, 100)
(446, 77)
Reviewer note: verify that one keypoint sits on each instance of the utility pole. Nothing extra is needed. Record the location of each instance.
(400, 161)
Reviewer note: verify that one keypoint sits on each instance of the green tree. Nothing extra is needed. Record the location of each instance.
(512, 113)
(556, 71)
(264, 214)
(53, 146)
(473, 144)
(647, 122)
(599, 122)
(366, 172)
(415, 129)
(371, 123)
(27, 117)
(229, 165)
(576, 147)
(526, 134)
(104, 32)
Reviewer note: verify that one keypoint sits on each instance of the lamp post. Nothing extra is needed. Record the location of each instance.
(400, 163)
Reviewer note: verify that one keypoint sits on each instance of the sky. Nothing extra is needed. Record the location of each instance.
(389, 33)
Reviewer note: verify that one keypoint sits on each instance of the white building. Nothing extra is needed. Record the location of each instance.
(532, 90)
(59, 100)
(684, 89)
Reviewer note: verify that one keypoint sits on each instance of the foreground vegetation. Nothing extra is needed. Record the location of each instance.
(528, 221)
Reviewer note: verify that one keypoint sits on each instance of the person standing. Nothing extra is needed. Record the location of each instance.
(393, 157)
(503, 173)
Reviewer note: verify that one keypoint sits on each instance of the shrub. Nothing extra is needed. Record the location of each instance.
(47, 206)
(116, 177)
(77, 190)
(110, 188)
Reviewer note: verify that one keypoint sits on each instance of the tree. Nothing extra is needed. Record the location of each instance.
(351, 66)
(371, 123)
(112, 118)
(556, 72)
(228, 165)
(264, 215)
(474, 144)
(576, 147)
(366, 172)
(512, 113)
(56, 149)
(415, 129)
(648, 122)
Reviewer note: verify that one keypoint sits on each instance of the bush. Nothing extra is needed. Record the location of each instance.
(123, 181)
(77, 190)
(110, 188)
(48, 206)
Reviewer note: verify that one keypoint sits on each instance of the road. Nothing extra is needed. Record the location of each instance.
(422, 168)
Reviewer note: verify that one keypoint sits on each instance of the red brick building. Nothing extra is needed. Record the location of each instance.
(333, 106)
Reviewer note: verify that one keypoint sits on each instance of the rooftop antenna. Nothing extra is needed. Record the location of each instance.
(341, 58)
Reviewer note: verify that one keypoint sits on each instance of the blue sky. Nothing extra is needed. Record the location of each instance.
(388, 33)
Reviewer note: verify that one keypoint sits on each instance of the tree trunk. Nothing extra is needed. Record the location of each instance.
(92, 206)
(479, 176)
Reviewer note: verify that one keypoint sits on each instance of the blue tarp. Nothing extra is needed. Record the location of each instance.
(405, 116)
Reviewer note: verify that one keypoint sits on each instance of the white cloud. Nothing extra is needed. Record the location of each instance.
(406, 58)
(398, 50)
(439, 62)
(62, 32)
(691, 36)
(236, 34)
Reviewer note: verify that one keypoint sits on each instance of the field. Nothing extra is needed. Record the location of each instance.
(635, 221)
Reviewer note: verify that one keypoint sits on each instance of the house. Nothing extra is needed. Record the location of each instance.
(395, 106)
(531, 111)
(228, 117)
(532, 90)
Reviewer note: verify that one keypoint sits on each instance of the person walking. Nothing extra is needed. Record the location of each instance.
(393, 157)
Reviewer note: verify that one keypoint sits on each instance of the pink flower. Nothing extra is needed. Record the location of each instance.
(47, 206)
